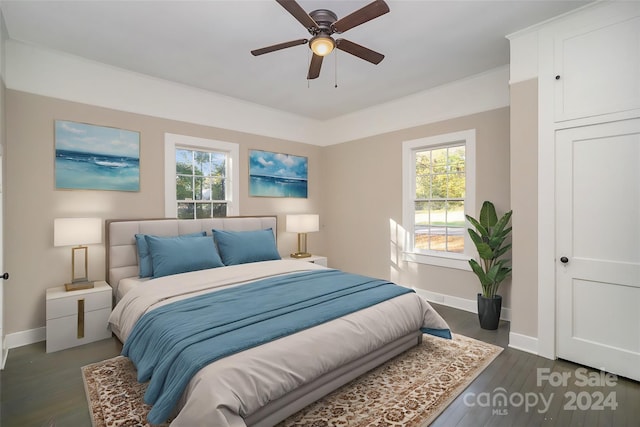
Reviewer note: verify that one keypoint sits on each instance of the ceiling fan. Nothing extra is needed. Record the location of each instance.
(321, 24)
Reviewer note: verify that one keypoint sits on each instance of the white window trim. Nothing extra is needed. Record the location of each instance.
(409, 149)
(233, 173)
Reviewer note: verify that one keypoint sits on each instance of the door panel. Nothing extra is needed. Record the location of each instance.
(598, 231)
(597, 70)
(606, 173)
(617, 304)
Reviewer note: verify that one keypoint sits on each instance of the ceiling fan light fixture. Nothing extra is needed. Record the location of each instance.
(322, 45)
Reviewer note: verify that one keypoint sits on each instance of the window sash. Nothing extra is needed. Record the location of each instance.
(203, 182)
(213, 199)
(437, 235)
(412, 149)
(194, 207)
(197, 209)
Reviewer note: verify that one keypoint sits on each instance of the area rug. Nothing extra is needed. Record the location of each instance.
(410, 390)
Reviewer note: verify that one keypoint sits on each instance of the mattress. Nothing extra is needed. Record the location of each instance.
(227, 391)
(127, 284)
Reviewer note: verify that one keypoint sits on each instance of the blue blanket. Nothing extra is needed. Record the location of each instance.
(170, 344)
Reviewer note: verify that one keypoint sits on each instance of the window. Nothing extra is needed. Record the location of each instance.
(201, 177)
(438, 190)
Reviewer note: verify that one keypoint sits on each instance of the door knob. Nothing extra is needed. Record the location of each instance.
(564, 260)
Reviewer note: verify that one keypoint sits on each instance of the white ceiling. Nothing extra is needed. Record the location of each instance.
(206, 44)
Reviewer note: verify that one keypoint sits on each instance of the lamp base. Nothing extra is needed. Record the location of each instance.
(76, 286)
(300, 255)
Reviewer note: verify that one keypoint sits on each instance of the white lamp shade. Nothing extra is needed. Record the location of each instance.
(77, 231)
(303, 223)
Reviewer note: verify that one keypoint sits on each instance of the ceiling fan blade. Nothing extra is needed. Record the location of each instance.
(299, 13)
(278, 46)
(314, 67)
(360, 16)
(359, 51)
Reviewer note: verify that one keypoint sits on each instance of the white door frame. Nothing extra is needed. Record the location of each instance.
(546, 200)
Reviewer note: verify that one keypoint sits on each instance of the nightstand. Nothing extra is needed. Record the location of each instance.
(77, 317)
(315, 259)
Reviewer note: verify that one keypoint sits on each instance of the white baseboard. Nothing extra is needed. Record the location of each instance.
(30, 336)
(523, 342)
(5, 353)
(459, 303)
(517, 341)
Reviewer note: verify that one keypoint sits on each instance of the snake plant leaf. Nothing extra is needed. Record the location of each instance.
(484, 281)
(475, 237)
(484, 250)
(502, 274)
(501, 224)
(488, 216)
(503, 250)
(505, 233)
(496, 241)
(493, 272)
(483, 231)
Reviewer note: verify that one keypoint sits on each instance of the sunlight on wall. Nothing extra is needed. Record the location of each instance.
(397, 243)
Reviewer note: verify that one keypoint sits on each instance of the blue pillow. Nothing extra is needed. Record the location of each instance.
(144, 257)
(239, 247)
(176, 255)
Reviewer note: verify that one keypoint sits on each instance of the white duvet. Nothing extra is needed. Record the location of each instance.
(226, 391)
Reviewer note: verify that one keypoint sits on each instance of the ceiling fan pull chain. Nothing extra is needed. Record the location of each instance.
(310, 56)
(336, 70)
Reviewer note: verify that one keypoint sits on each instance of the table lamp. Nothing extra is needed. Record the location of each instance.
(302, 224)
(80, 232)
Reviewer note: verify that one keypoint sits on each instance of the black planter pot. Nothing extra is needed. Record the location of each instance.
(489, 311)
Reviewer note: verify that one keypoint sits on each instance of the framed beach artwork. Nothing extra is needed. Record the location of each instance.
(90, 157)
(277, 174)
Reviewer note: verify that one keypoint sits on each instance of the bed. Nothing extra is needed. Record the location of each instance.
(271, 379)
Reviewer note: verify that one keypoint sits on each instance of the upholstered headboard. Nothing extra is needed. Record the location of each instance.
(121, 253)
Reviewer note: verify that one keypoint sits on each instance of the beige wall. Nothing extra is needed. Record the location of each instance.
(362, 201)
(524, 202)
(32, 202)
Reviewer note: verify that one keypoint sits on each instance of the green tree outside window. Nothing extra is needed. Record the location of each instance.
(201, 183)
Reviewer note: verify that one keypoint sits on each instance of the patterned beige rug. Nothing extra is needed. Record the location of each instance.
(410, 390)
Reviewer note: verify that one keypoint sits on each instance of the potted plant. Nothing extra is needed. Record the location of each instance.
(489, 238)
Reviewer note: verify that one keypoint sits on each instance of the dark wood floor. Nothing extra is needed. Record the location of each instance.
(39, 389)
(516, 372)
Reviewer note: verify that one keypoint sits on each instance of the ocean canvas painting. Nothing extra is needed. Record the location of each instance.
(90, 157)
(277, 175)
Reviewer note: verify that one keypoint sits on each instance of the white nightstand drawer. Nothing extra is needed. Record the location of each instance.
(77, 317)
(64, 332)
(68, 305)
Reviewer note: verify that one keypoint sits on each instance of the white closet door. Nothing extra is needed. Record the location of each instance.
(598, 246)
(3, 350)
(598, 70)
